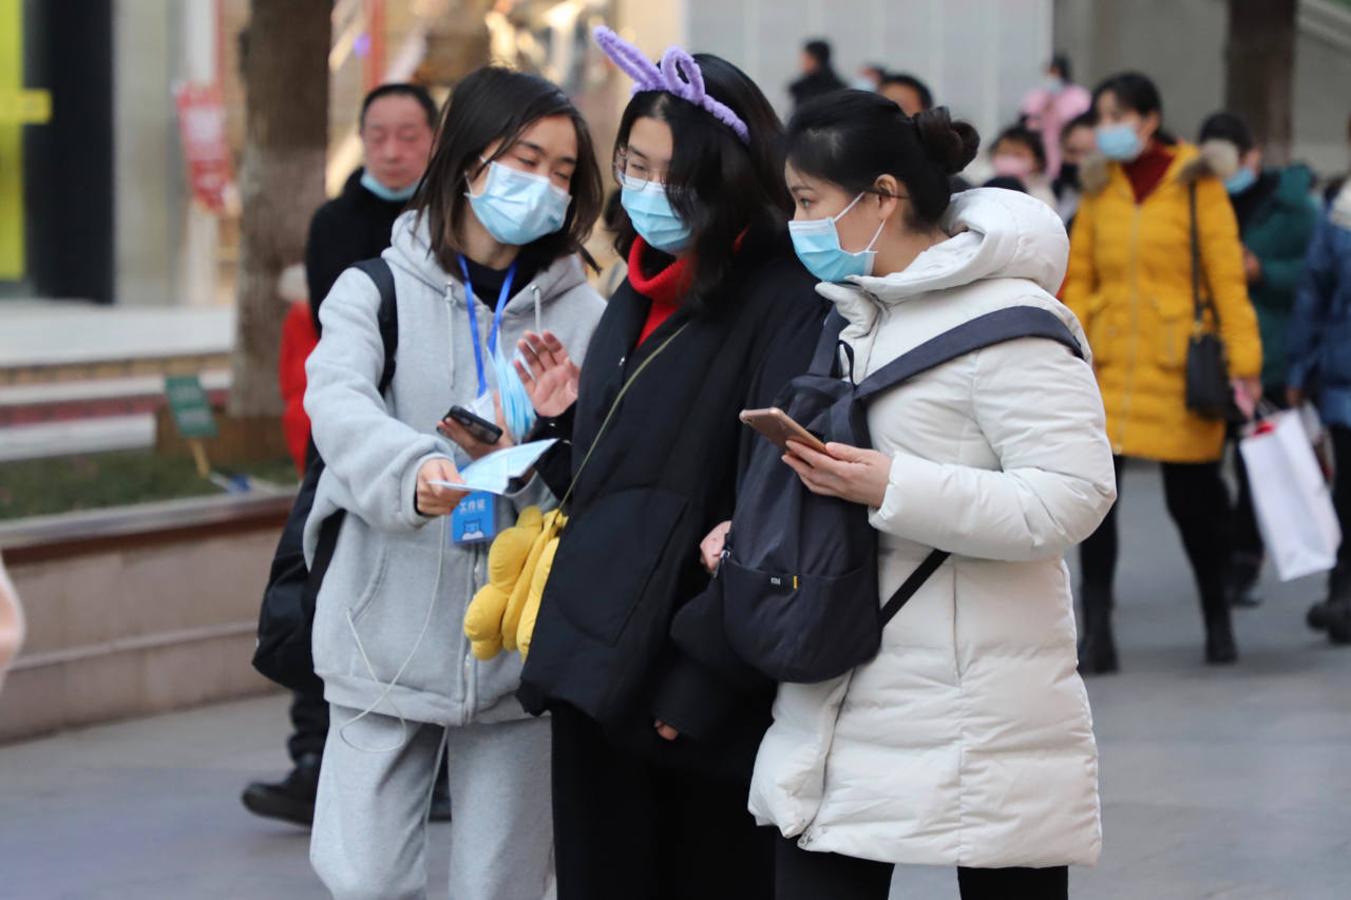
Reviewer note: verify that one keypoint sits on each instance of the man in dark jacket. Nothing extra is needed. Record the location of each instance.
(818, 75)
(397, 124)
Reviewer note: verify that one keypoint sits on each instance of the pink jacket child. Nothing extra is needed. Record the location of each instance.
(1048, 109)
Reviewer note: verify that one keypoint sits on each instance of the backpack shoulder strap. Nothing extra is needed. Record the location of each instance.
(388, 317)
(828, 345)
(983, 331)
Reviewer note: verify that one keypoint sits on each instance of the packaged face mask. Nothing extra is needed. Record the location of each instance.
(817, 244)
(653, 217)
(516, 406)
(518, 208)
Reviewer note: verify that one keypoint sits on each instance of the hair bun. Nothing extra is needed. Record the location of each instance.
(949, 145)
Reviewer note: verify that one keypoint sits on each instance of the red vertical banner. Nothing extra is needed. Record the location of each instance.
(201, 127)
(375, 44)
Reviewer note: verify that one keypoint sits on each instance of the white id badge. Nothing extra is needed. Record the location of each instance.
(475, 519)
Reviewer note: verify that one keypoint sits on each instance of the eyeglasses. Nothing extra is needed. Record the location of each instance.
(634, 173)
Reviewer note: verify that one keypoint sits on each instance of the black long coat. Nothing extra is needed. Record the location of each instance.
(662, 476)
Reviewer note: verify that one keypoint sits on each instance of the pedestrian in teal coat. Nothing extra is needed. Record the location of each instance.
(1276, 216)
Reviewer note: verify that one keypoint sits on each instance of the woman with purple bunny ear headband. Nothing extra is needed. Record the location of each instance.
(653, 741)
(677, 74)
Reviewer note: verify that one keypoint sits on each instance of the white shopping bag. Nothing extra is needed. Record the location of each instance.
(1294, 507)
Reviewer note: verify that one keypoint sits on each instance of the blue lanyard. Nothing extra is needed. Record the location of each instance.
(470, 302)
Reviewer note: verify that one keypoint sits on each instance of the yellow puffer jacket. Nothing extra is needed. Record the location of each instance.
(1130, 284)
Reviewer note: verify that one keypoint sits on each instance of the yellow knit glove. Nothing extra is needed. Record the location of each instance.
(526, 630)
(511, 618)
(506, 562)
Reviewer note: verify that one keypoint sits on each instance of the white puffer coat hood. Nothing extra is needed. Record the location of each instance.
(968, 740)
(996, 234)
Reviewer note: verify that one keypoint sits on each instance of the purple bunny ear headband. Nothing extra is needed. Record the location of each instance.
(677, 74)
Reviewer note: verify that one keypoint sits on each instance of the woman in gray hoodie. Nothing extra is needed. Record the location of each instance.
(489, 250)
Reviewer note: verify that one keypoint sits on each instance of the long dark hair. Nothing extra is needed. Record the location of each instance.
(720, 186)
(851, 138)
(495, 104)
(1135, 91)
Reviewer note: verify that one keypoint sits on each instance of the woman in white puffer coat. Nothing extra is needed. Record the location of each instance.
(968, 740)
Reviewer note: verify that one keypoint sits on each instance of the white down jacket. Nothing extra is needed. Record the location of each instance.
(968, 740)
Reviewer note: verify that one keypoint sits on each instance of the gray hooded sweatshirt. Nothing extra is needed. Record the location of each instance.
(389, 627)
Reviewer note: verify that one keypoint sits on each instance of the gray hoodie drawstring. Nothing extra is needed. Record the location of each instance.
(539, 318)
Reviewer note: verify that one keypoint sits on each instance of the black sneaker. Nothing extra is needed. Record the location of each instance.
(289, 800)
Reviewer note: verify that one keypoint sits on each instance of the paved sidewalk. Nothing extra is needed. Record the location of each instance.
(1228, 783)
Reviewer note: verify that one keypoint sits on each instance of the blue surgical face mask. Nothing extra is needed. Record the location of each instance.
(518, 208)
(377, 187)
(653, 217)
(1240, 181)
(1118, 142)
(817, 244)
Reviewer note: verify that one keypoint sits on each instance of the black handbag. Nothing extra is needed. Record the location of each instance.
(1210, 394)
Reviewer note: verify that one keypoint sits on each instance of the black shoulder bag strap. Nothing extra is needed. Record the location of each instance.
(614, 408)
(387, 319)
(981, 332)
(1201, 299)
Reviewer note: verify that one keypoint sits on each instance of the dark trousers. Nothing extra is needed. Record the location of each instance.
(1341, 491)
(627, 829)
(309, 718)
(1198, 503)
(803, 875)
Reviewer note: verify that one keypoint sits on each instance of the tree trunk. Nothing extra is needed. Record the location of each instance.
(1260, 63)
(281, 180)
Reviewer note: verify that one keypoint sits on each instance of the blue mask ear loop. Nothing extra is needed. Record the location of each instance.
(876, 234)
(502, 298)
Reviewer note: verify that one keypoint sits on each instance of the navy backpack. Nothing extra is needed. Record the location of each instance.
(797, 584)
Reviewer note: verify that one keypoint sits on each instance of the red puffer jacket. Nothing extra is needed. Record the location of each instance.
(298, 338)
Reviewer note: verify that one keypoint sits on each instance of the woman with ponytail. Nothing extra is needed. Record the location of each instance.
(967, 740)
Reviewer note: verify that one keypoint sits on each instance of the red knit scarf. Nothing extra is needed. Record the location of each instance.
(663, 288)
(1146, 171)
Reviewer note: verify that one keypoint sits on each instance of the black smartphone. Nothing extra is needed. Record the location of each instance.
(479, 427)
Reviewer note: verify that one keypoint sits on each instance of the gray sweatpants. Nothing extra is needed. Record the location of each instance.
(370, 819)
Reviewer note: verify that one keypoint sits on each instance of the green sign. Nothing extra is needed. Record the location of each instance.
(190, 407)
